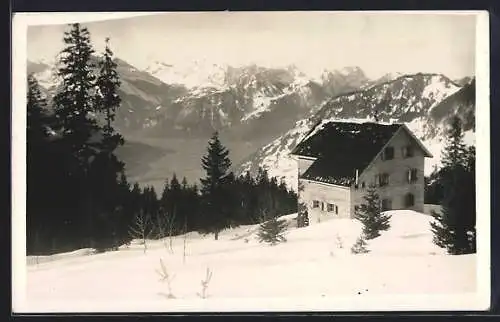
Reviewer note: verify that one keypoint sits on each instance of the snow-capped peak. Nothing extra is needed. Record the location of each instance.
(191, 74)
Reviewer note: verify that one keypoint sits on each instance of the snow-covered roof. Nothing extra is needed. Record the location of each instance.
(341, 148)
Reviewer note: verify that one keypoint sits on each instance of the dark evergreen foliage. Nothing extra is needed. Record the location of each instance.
(78, 193)
(360, 246)
(433, 190)
(38, 167)
(73, 102)
(108, 83)
(454, 227)
(371, 216)
(272, 231)
(216, 164)
(303, 215)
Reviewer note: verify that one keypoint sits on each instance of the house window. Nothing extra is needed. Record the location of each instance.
(409, 200)
(408, 151)
(383, 179)
(386, 204)
(332, 208)
(388, 153)
(315, 203)
(412, 175)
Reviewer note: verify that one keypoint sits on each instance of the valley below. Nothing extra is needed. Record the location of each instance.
(149, 161)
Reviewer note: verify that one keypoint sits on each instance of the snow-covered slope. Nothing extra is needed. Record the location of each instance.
(423, 101)
(315, 263)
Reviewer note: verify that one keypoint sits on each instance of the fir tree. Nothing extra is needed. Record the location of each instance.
(150, 202)
(174, 204)
(216, 163)
(184, 184)
(135, 199)
(107, 101)
(73, 105)
(125, 207)
(455, 151)
(370, 215)
(193, 201)
(302, 216)
(37, 115)
(108, 83)
(272, 231)
(360, 246)
(164, 194)
(73, 102)
(38, 154)
(233, 207)
(454, 227)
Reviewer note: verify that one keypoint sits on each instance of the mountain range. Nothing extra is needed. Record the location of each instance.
(425, 102)
(167, 114)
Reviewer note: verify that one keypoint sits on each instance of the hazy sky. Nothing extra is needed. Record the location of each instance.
(377, 42)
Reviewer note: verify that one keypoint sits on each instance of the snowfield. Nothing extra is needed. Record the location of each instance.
(313, 270)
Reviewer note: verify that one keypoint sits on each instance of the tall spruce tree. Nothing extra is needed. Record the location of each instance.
(37, 116)
(107, 98)
(370, 214)
(454, 226)
(73, 102)
(216, 164)
(37, 156)
(107, 101)
(193, 203)
(174, 204)
(74, 108)
(469, 198)
(272, 230)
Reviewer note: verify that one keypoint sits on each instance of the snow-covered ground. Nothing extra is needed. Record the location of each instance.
(313, 270)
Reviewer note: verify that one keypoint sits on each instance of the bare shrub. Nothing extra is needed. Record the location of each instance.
(166, 277)
(166, 227)
(340, 243)
(204, 284)
(141, 228)
(184, 244)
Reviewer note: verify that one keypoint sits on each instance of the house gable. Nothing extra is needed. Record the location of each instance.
(304, 163)
(339, 161)
(403, 174)
(397, 141)
(341, 148)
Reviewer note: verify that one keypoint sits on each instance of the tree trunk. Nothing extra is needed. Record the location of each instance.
(217, 235)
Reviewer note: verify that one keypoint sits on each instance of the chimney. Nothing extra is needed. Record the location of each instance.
(357, 176)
